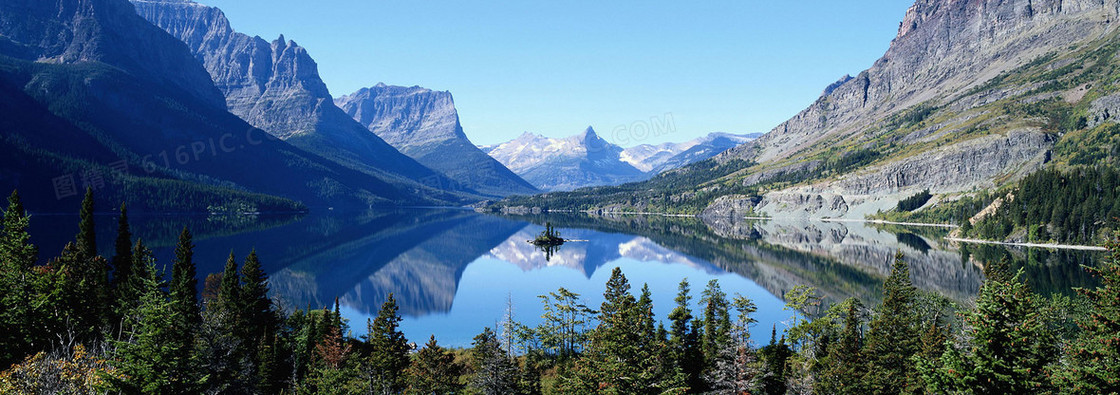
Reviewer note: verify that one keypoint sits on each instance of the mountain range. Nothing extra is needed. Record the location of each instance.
(971, 96)
(586, 159)
(94, 95)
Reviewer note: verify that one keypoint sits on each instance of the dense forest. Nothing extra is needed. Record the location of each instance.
(1078, 206)
(86, 324)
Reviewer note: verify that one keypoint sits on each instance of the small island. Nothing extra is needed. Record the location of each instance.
(548, 238)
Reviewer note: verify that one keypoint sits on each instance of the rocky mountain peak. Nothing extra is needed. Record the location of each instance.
(424, 124)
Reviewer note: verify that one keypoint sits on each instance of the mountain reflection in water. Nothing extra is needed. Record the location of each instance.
(453, 272)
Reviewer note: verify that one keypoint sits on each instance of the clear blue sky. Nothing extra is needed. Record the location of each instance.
(554, 67)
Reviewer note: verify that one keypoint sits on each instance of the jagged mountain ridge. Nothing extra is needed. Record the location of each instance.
(424, 125)
(91, 84)
(565, 164)
(276, 86)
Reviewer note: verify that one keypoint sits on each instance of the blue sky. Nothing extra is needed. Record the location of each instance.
(555, 67)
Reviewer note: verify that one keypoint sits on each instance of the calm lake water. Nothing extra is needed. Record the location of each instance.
(453, 272)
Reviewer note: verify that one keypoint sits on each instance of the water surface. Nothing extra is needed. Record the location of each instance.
(454, 272)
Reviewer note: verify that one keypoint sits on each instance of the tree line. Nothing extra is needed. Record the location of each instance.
(1079, 206)
(85, 324)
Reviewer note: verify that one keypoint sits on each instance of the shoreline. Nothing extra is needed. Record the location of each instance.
(1030, 245)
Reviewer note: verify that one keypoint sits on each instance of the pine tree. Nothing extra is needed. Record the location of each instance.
(389, 351)
(184, 281)
(147, 356)
(434, 371)
(255, 305)
(494, 373)
(621, 355)
(684, 340)
(893, 336)
(774, 358)
(17, 257)
(1093, 358)
(16, 251)
(122, 258)
(229, 292)
(222, 349)
(1010, 346)
(188, 317)
(717, 323)
(737, 370)
(87, 235)
(845, 369)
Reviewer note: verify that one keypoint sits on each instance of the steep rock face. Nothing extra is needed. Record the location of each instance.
(968, 165)
(564, 164)
(424, 125)
(108, 31)
(943, 48)
(276, 86)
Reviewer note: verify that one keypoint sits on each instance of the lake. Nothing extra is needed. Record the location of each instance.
(454, 272)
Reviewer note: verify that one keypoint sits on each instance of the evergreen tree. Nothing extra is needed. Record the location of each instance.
(270, 372)
(494, 373)
(1093, 358)
(389, 352)
(774, 358)
(893, 336)
(229, 292)
(17, 254)
(223, 352)
(184, 281)
(87, 235)
(621, 355)
(736, 370)
(1010, 344)
(254, 303)
(434, 371)
(148, 357)
(122, 296)
(122, 257)
(17, 257)
(717, 323)
(563, 328)
(188, 317)
(684, 340)
(844, 371)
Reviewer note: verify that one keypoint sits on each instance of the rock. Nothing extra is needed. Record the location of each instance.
(963, 166)
(424, 125)
(943, 48)
(1103, 109)
(276, 86)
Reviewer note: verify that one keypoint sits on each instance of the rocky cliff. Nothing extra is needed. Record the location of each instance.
(276, 86)
(424, 125)
(943, 49)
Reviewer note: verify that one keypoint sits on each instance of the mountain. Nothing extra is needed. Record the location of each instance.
(970, 96)
(93, 94)
(658, 158)
(564, 164)
(424, 125)
(276, 86)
